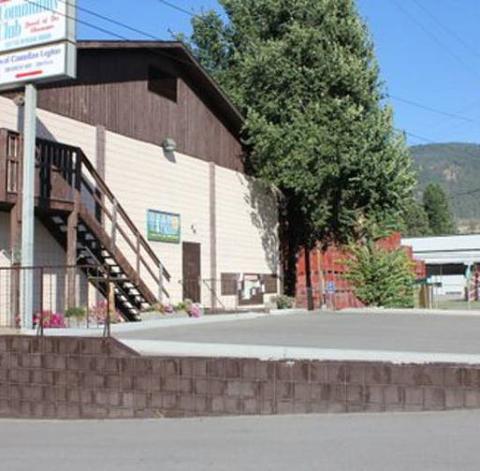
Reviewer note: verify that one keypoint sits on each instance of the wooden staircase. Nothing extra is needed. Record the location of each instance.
(83, 215)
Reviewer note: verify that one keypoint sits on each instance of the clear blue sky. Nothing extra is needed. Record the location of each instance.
(429, 55)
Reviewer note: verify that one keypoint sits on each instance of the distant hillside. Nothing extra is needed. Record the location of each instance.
(455, 166)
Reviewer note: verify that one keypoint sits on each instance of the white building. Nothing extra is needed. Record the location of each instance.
(154, 146)
(449, 259)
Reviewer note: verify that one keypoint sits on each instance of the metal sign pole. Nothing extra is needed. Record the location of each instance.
(28, 203)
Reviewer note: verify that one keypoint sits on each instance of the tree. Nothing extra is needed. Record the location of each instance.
(380, 277)
(416, 220)
(304, 74)
(438, 211)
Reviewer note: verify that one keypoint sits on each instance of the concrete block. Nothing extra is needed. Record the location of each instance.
(434, 398)
(216, 368)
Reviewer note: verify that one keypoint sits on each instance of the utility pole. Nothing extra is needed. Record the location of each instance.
(28, 205)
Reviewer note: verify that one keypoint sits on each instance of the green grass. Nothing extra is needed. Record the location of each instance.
(453, 304)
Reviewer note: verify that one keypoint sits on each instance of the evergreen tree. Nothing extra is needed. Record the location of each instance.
(416, 220)
(305, 76)
(438, 211)
(380, 277)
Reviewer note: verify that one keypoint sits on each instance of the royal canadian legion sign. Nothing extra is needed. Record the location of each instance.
(37, 41)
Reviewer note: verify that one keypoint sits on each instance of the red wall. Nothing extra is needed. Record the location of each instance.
(329, 267)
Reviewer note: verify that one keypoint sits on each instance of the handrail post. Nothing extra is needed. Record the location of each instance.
(78, 171)
(160, 282)
(114, 222)
(138, 255)
(109, 293)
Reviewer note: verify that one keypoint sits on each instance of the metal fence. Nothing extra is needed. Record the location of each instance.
(229, 294)
(63, 297)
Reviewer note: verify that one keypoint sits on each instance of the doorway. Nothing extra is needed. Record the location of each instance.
(192, 272)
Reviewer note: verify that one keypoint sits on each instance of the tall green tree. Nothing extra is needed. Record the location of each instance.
(416, 220)
(304, 74)
(438, 211)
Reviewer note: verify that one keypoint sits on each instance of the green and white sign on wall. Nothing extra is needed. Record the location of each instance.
(163, 227)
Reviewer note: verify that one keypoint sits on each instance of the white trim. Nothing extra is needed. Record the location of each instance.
(265, 352)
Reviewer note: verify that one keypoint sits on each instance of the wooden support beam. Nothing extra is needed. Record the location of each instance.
(100, 154)
(214, 285)
(3, 164)
(72, 228)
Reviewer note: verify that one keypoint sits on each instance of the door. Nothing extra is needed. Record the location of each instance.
(192, 272)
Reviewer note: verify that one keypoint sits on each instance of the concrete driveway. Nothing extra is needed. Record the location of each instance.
(356, 331)
(383, 442)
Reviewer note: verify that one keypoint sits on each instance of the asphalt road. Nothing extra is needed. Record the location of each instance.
(395, 332)
(377, 442)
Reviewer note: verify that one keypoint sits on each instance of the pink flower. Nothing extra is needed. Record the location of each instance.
(195, 311)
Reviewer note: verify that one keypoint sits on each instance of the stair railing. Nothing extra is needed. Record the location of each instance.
(73, 166)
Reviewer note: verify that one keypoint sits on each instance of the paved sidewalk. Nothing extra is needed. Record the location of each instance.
(452, 334)
(383, 442)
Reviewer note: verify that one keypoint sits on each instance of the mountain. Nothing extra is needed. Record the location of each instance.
(456, 167)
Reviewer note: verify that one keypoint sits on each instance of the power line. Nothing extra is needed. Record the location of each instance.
(435, 39)
(416, 136)
(464, 109)
(427, 108)
(176, 7)
(447, 29)
(113, 21)
(150, 36)
(112, 33)
(157, 52)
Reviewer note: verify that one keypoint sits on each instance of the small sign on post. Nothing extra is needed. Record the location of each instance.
(37, 45)
(331, 288)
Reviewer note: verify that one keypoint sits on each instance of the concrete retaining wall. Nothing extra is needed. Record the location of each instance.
(61, 377)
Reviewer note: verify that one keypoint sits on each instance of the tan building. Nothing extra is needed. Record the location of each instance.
(141, 168)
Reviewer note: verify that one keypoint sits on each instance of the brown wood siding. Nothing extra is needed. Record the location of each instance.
(112, 91)
(270, 284)
(229, 284)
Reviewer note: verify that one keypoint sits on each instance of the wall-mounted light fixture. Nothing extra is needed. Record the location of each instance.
(19, 99)
(169, 145)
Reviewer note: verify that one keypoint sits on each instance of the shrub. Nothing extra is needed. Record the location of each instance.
(381, 277)
(75, 312)
(283, 301)
(181, 306)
